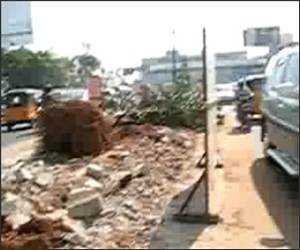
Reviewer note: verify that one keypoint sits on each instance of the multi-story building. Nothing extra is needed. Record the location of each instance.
(229, 67)
(267, 37)
(159, 70)
(16, 28)
(264, 36)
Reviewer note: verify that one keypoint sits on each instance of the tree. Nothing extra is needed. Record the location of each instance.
(25, 68)
(179, 106)
(183, 75)
(85, 65)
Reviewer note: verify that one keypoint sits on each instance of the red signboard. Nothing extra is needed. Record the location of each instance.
(94, 86)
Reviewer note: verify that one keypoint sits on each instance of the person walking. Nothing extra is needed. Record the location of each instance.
(244, 107)
(46, 97)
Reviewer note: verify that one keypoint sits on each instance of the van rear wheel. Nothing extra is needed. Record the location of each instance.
(34, 124)
(9, 127)
(268, 145)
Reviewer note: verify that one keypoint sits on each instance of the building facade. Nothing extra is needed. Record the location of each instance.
(159, 70)
(229, 67)
(264, 36)
(16, 27)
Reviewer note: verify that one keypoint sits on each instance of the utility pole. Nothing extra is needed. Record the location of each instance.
(205, 216)
(173, 59)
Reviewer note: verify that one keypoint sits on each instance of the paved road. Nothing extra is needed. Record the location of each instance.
(20, 133)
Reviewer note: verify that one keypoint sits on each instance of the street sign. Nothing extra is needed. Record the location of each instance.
(94, 86)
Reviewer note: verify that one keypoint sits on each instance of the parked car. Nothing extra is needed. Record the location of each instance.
(69, 94)
(281, 109)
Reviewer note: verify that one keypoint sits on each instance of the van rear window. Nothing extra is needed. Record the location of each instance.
(292, 70)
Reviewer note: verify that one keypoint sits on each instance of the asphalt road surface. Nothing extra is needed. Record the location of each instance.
(19, 133)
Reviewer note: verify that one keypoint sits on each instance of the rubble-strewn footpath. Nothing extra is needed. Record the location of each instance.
(113, 200)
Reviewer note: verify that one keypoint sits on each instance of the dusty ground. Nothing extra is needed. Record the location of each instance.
(18, 151)
(260, 204)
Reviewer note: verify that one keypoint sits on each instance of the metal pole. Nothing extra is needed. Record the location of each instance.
(205, 217)
(206, 147)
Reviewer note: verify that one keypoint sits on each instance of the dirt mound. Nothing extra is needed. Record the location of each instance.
(75, 128)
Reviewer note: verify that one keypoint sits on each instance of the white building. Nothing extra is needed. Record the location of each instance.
(16, 27)
(229, 67)
(262, 36)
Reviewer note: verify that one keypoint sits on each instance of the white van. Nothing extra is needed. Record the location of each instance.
(280, 109)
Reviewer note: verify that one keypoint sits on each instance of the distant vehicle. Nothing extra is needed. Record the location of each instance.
(20, 106)
(225, 92)
(281, 109)
(69, 94)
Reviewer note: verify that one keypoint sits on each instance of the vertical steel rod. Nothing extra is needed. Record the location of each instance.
(206, 148)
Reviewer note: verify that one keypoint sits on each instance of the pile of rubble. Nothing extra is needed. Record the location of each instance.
(74, 127)
(112, 201)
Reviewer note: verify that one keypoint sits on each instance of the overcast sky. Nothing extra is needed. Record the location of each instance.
(122, 33)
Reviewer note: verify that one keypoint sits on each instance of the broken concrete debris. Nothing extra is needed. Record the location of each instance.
(91, 183)
(131, 215)
(140, 170)
(38, 164)
(17, 220)
(94, 171)
(23, 175)
(9, 204)
(85, 207)
(81, 193)
(72, 226)
(44, 179)
(76, 239)
(57, 214)
(109, 201)
(119, 181)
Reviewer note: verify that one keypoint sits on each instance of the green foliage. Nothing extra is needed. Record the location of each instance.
(176, 105)
(86, 64)
(179, 106)
(25, 68)
(183, 76)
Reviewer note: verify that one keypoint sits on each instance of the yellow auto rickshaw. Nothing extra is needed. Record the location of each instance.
(21, 106)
